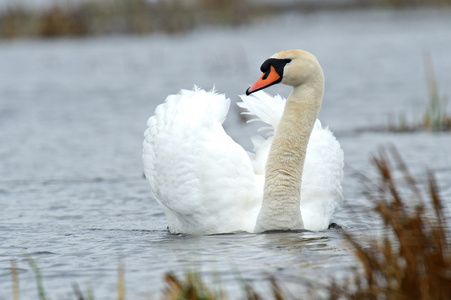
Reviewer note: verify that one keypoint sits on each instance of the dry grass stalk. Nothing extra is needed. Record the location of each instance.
(15, 280)
(191, 288)
(121, 280)
(412, 260)
(435, 117)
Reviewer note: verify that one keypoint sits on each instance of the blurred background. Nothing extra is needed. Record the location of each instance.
(52, 18)
(79, 79)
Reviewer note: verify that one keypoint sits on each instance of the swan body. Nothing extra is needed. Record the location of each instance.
(206, 183)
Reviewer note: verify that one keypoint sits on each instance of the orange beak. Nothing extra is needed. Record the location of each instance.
(269, 78)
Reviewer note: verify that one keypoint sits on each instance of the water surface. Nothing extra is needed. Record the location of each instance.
(72, 115)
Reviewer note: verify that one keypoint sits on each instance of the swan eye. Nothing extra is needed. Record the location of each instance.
(288, 60)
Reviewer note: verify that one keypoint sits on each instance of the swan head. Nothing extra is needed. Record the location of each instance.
(290, 67)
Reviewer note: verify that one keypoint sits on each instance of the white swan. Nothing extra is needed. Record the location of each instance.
(206, 183)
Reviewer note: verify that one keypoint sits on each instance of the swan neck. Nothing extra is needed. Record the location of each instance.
(281, 200)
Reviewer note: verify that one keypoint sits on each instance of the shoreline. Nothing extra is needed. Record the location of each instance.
(142, 17)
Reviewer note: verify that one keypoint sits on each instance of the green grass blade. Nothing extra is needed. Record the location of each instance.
(38, 275)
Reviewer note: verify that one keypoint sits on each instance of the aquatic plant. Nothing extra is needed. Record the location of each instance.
(121, 280)
(15, 280)
(75, 288)
(80, 296)
(192, 286)
(412, 260)
(38, 275)
(435, 117)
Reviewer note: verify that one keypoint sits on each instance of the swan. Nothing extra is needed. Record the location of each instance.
(208, 184)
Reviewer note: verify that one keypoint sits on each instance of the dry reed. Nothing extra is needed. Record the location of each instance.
(120, 17)
(191, 287)
(100, 17)
(15, 280)
(412, 260)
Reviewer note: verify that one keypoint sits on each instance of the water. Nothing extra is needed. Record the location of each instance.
(72, 114)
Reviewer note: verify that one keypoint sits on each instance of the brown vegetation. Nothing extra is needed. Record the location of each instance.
(406, 3)
(89, 17)
(412, 260)
(120, 17)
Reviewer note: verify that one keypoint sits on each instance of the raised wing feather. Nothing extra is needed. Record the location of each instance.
(321, 191)
(266, 109)
(203, 179)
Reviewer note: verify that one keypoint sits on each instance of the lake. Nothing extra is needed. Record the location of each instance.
(72, 117)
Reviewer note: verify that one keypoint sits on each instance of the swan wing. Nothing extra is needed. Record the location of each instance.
(267, 109)
(321, 191)
(203, 180)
